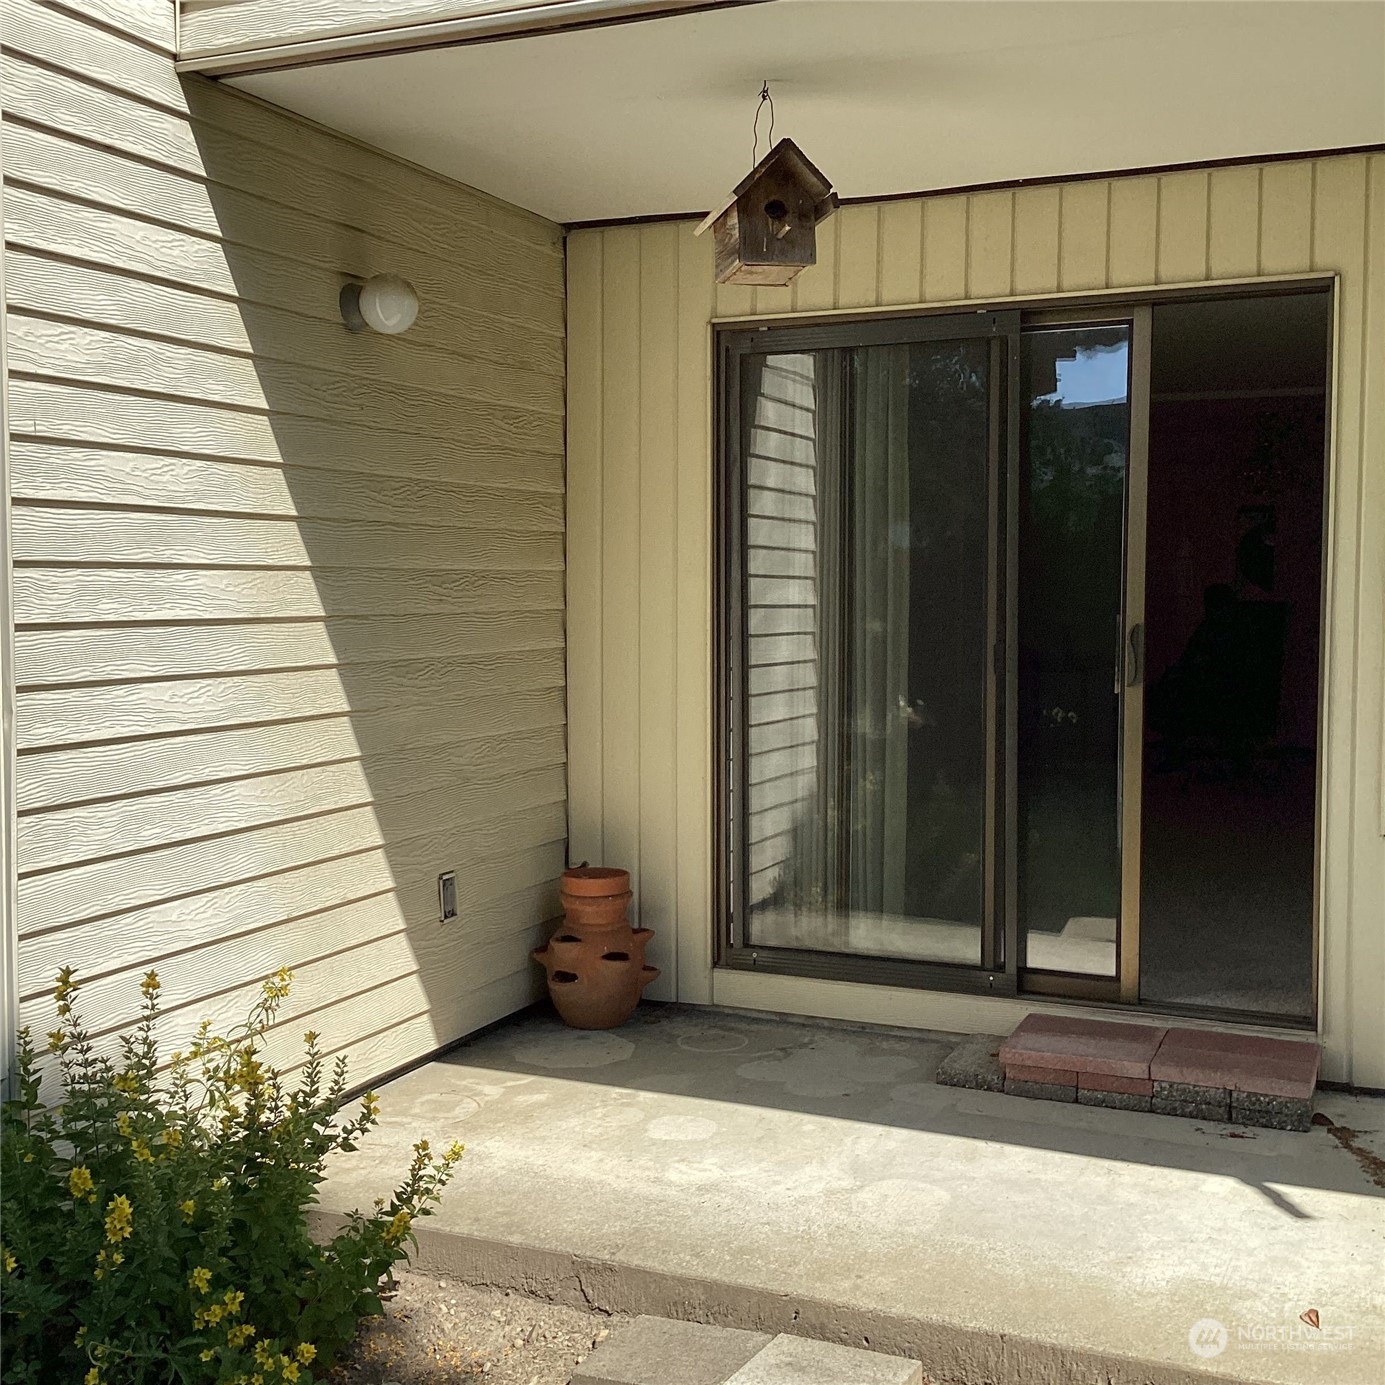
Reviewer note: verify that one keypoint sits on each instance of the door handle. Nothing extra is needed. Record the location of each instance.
(1135, 656)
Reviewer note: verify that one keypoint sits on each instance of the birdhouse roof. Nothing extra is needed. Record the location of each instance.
(803, 169)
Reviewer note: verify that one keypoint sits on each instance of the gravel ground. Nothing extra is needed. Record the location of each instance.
(440, 1331)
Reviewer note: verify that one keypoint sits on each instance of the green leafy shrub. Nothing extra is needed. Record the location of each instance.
(154, 1218)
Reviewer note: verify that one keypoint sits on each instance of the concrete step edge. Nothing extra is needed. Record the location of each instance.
(951, 1352)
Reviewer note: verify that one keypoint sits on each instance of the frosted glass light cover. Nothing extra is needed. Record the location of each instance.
(388, 303)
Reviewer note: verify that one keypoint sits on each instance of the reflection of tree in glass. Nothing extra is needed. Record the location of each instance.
(1077, 463)
(1075, 481)
(949, 411)
(949, 404)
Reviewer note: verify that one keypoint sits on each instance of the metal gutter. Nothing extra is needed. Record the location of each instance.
(448, 33)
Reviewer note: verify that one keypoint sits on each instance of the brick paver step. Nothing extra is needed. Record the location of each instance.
(1205, 1074)
(1073, 1045)
(1238, 1062)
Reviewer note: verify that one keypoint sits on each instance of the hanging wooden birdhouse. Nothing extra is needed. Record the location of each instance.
(766, 230)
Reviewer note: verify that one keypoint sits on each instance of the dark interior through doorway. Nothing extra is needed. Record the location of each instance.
(1233, 633)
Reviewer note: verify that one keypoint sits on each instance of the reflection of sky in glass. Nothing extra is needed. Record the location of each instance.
(1095, 375)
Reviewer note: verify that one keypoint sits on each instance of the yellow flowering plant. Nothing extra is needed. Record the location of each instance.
(154, 1215)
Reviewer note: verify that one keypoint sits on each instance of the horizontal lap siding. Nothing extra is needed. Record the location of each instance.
(289, 601)
(1294, 217)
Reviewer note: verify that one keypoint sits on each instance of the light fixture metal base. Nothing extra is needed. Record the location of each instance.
(349, 301)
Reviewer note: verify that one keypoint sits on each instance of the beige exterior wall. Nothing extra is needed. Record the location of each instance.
(288, 601)
(639, 521)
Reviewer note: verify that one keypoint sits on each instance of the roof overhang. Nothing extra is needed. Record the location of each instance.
(652, 117)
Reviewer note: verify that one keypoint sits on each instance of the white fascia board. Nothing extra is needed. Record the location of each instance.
(263, 53)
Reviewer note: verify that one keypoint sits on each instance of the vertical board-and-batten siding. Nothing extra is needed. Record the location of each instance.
(641, 299)
(288, 601)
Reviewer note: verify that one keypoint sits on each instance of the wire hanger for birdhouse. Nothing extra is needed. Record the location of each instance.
(765, 100)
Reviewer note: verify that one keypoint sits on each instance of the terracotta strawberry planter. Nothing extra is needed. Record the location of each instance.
(595, 961)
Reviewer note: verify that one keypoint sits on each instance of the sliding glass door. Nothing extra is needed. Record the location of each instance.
(934, 538)
(940, 539)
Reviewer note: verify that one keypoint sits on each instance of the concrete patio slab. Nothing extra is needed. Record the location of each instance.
(813, 1178)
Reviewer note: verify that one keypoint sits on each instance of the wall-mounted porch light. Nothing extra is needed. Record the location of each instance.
(385, 302)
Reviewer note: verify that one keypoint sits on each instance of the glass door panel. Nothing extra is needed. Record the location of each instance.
(1077, 514)
(868, 490)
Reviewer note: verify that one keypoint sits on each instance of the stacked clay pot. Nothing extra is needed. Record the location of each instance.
(595, 961)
